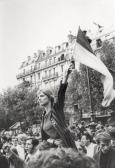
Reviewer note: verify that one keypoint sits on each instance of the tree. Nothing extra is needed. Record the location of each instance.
(108, 58)
(19, 104)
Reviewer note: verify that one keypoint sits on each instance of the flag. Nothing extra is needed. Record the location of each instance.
(83, 53)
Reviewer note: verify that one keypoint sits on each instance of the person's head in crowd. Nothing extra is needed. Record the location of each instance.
(113, 142)
(31, 145)
(60, 158)
(4, 139)
(99, 127)
(83, 123)
(14, 141)
(73, 127)
(22, 140)
(86, 139)
(92, 126)
(81, 149)
(6, 148)
(99, 122)
(9, 140)
(104, 141)
(112, 133)
(45, 97)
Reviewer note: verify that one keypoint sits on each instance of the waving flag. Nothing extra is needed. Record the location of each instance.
(83, 53)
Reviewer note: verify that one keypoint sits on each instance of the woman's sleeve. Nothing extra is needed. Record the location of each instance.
(61, 97)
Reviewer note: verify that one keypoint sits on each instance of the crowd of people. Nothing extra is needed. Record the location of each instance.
(95, 144)
(82, 145)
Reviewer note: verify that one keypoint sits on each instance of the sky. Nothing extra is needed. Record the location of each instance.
(29, 25)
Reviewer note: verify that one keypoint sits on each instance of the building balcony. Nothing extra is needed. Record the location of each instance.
(23, 74)
(35, 69)
(50, 65)
(48, 77)
(20, 75)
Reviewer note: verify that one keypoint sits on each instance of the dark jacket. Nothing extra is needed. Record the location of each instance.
(110, 159)
(15, 161)
(3, 162)
(57, 118)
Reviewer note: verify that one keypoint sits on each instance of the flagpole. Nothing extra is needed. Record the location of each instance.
(90, 97)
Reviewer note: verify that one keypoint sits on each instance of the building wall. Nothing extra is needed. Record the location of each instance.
(46, 69)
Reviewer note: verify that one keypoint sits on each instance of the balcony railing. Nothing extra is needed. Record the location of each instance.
(50, 77)
(20, 75)
(28, 72)
(50, 65)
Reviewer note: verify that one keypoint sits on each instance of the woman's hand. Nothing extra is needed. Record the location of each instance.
(68, 71)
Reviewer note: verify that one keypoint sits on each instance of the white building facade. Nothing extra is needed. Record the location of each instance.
(44, 68)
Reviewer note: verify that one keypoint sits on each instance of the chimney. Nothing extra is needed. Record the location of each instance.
(71, 38)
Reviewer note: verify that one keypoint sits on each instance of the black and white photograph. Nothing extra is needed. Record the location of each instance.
(57, 84)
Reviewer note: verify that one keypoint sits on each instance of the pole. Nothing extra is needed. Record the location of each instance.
(89, 90)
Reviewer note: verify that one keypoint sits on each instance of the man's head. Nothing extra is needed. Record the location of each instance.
(104, 141)
(14, 141)
(4, 139)
(60, 158)
(31, 144)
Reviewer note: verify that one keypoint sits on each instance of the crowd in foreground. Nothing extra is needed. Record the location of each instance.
(95, 144)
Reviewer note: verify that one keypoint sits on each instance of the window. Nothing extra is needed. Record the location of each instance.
(54, 71)
(31, 78)
(62, 57)
(45, 73)
(35, 67)
(43, 54)
(59, 59)
(49, 61)
(50, 72)
(59, 47)
(38, 75)
(23, 70)
(76, 107)
(50, 51)
(54, 59)
(67, 44)
(98, 43)
(46, 63)
(39, 65)
(62, 68)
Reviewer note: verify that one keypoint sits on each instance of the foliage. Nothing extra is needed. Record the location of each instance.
(19, 104)
(96, 90)
(109, 54)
